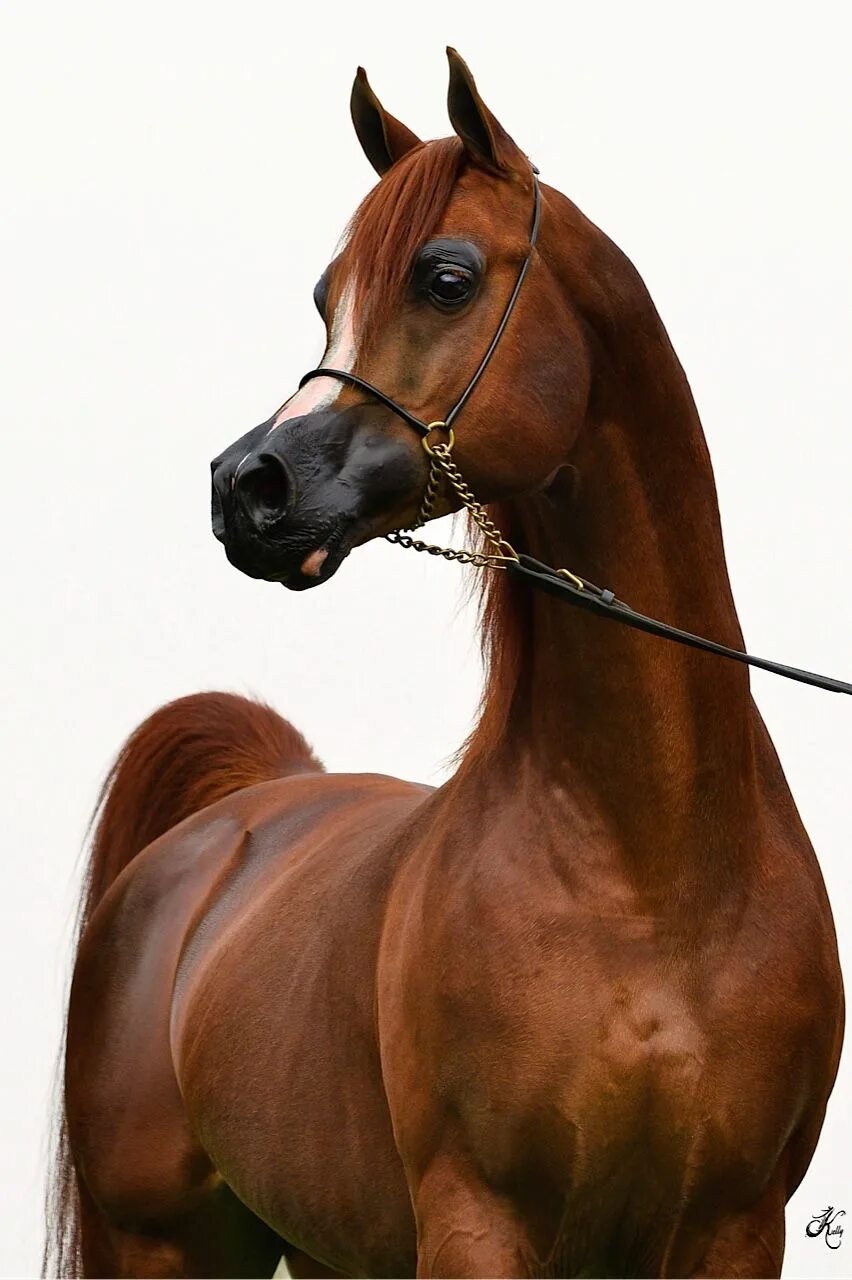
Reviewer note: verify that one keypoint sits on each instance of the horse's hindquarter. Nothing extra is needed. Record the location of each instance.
(635, 1076)
(273, 1025)
(249, 976)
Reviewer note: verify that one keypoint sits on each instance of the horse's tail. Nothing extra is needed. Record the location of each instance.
(187, 755)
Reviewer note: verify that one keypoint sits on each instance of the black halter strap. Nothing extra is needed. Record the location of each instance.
(410, 418)
(554, 582)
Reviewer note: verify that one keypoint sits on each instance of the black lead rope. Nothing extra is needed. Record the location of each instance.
(556, 583)
(604, 603)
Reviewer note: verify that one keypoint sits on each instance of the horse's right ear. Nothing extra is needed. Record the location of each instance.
(383, 137)
(485, 140)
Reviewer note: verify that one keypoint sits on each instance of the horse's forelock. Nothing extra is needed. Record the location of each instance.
(395, 218)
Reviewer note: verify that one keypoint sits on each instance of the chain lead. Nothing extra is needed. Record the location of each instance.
(441, 463)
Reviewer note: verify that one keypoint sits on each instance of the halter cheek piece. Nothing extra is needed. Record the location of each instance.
(560, 583)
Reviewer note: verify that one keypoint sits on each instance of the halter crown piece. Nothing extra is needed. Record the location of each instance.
(560, 583)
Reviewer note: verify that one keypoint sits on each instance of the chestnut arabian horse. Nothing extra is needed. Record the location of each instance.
(577, 1012)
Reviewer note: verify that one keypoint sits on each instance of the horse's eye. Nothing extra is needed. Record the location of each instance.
(450, 286)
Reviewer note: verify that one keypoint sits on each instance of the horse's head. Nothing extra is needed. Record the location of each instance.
(410, 305)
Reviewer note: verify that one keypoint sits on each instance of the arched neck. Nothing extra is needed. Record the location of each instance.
(659, 737)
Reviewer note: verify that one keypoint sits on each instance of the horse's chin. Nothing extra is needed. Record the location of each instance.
(321, 563)
(297, 562)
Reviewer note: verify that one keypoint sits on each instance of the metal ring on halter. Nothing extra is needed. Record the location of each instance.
(438, 426)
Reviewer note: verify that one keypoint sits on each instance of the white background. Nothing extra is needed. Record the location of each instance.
(175, 177)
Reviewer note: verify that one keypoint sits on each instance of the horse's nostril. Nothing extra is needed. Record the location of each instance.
(262, 488)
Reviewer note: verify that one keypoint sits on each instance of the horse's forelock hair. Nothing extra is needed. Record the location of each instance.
(400, 213)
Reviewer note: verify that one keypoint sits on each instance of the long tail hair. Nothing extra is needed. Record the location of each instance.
(187, 755)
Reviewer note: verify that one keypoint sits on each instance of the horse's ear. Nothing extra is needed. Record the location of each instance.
(383, 138)
(485, 140)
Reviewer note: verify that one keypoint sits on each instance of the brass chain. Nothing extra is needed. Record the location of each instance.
(430, 494)
(441, 463)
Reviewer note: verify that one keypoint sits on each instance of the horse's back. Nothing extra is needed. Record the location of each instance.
(222, 1005)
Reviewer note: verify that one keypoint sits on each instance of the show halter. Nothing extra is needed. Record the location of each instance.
(560, 583)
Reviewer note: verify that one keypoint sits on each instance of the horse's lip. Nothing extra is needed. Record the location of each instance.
(337, 546)
(273, 560)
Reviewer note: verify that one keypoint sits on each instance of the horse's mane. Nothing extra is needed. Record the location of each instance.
(504, 622)
(391, 223)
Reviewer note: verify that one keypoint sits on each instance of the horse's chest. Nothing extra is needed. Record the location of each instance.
(621, 1080)
(633, 1088)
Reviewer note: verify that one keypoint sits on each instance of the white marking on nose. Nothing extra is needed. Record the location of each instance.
(341, 353)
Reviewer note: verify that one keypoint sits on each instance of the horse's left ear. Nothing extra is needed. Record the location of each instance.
(485, 140)
(383, 137)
